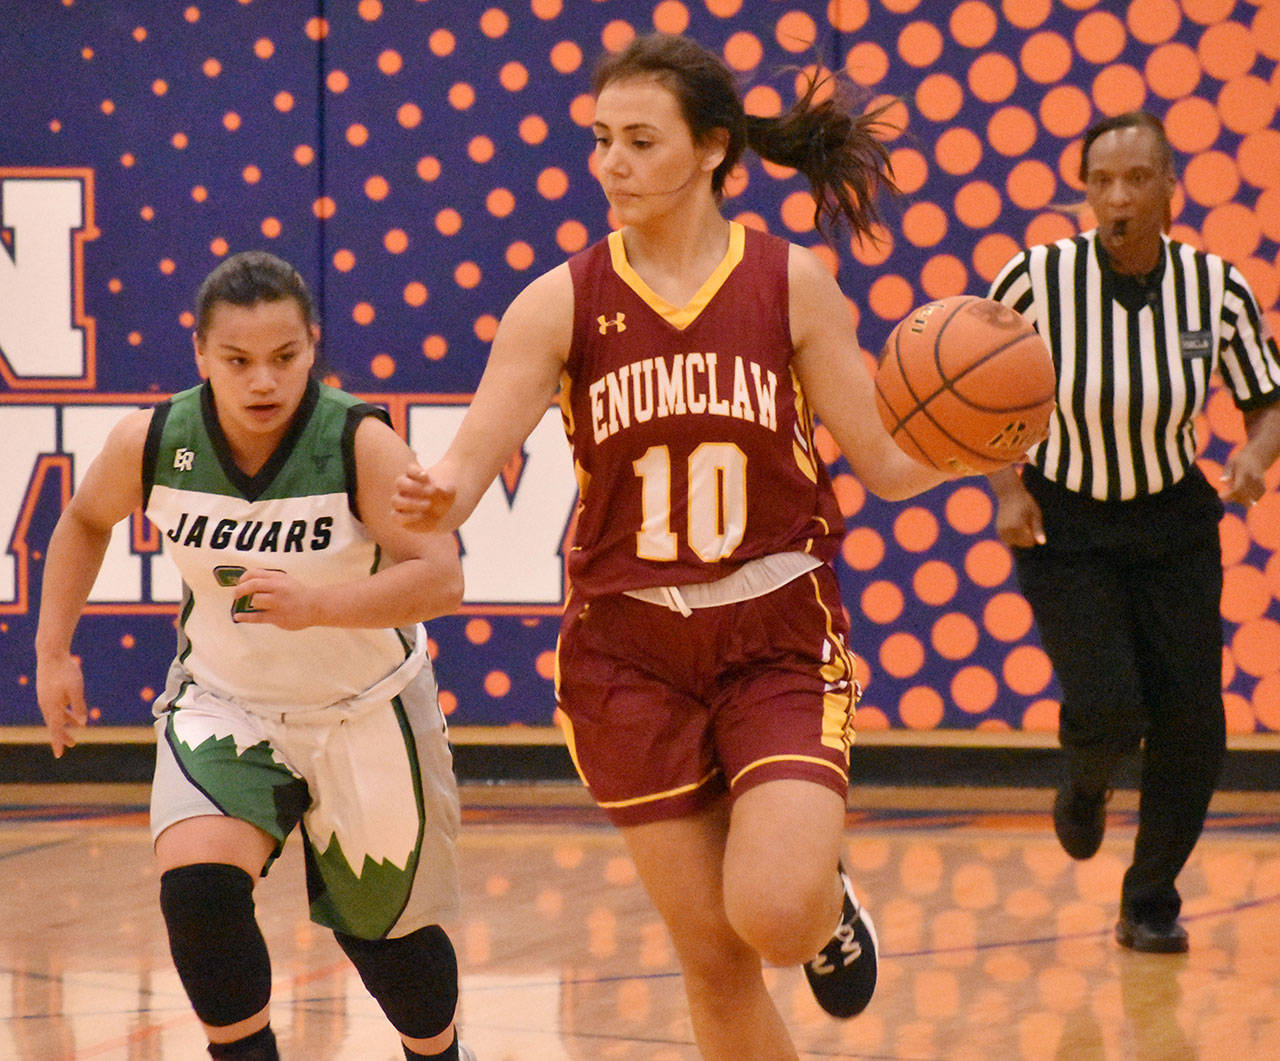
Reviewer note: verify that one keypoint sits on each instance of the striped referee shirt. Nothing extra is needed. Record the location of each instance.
(1134, 357)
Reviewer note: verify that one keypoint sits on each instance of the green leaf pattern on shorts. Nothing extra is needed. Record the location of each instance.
(364, 905)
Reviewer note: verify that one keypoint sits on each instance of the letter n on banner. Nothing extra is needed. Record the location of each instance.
(46, 339)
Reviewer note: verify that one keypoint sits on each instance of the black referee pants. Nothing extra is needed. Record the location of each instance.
(1134, 632)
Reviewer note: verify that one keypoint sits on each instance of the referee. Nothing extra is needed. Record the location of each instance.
(1114, 528)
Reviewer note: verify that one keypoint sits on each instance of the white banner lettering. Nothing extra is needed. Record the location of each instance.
(28, 432)
(511, 545)
(38, 336)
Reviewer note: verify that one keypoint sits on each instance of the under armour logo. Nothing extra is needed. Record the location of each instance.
(184, 459)
(617, 321)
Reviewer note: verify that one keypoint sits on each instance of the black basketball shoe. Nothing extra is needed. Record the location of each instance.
(843, 975)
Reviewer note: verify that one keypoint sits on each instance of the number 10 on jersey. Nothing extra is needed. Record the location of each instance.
(717, 502)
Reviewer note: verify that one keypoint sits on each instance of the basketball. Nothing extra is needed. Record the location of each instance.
(965, 385)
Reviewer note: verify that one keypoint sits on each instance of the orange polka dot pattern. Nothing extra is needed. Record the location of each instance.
(422, 162)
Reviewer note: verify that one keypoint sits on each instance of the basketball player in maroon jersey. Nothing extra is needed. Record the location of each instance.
(705, 686)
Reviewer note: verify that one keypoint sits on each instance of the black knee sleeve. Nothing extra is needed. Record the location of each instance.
(414, 978)
(215, 941)
(260, 1046)
(449, 1053)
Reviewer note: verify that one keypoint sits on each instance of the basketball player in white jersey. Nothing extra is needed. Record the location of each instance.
(301, 692)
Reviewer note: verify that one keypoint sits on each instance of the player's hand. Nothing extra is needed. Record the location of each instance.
(60, 693)
(265, 595)
(423, 498)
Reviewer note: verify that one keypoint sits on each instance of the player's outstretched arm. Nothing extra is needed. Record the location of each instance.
(828, 363)
(520, 379)
(110, 491)
(422, 581)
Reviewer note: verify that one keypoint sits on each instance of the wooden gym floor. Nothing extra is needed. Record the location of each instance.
(994, 944)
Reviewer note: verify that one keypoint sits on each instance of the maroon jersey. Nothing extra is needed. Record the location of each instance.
(692, 443)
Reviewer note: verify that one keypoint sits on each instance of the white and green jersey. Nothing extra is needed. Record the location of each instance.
(298, 515)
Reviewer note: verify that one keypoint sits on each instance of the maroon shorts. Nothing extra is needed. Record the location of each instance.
(663, 713)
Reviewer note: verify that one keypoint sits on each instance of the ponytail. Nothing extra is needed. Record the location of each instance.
(837, 150)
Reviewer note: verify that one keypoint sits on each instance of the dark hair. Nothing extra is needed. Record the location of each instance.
(248, 278)
(833, 147)
(1128, 120)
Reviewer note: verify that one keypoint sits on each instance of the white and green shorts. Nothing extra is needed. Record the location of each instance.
(370, 780)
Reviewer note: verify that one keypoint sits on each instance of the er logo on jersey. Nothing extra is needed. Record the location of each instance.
(184, 459)
(605, 324)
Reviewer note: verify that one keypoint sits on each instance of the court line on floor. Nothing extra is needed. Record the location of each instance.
(1070, 937)
(323, 973)
(586, 816)
(18, 852)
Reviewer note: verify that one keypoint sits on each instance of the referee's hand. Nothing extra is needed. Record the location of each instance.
(1018, 518)
(1243, 477)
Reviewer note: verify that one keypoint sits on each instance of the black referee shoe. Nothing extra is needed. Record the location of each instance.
(843, 975)
(1079, 820)
(1149, 938)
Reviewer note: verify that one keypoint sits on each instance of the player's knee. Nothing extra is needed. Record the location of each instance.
(414, 978)
(784, 927)
(215, 941)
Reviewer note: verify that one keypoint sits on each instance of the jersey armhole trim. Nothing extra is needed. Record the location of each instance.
(355, 416)
(151, 448)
